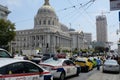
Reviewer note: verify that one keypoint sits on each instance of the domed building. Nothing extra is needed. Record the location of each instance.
(48, 34)
(46, 18)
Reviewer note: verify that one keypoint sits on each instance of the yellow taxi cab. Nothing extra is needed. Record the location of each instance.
(85, 63)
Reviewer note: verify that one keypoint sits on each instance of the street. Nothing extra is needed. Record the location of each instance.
(96, 75)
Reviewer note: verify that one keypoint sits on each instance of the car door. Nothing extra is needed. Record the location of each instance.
(12, 72)
(34, 71)
(73, 68)
(69, 68)
(20, 71)
(90, 64)
(66, 67)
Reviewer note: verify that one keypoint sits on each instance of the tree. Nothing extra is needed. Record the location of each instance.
(7, 32)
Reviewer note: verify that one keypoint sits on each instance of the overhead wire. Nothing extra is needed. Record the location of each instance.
(64, 9)
(82, 6)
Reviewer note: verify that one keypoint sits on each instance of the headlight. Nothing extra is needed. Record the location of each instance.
(117, 66)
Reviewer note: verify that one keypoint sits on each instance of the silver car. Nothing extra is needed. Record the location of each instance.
(111, 65)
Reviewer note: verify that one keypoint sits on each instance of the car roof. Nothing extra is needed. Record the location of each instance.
(6, 61)
(2, 49)
(59, 59)
(111, 62)
(81, 58)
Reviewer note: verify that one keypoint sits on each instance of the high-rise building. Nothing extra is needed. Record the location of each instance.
(88, 37)
(4, 12)
(101, 29)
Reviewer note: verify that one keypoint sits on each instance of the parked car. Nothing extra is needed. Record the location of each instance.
(15, 69)
(61, 68)
(85, 63)
(19, 57)
(61, 55)
(111, 65)
(47, 56)
(93, 61)
(5, 54)
(36, 58)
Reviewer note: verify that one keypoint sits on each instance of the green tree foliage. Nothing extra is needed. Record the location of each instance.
(7, 32)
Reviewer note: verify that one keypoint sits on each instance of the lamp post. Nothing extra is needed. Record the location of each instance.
(12, 45)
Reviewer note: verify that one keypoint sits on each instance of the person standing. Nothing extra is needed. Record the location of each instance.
(98, 63)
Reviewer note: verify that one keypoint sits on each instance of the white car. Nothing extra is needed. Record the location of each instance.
(111, 65)
(61, 68)
(15, 69)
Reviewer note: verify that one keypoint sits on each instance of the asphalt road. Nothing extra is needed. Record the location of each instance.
(83, 75)
(105, 76)
(95, 75)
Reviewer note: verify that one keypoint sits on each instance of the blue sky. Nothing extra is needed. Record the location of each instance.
(81, 18)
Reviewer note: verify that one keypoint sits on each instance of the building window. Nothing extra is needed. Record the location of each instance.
(49, 22)
(44, 22)
(53, 23)
(40, 22)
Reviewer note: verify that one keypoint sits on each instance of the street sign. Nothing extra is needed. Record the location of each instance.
(114, 5)
(119, 16)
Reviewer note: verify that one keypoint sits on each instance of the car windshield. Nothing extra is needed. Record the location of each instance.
(110, 62)
(4, 54)
(52, 61)
(81, 59)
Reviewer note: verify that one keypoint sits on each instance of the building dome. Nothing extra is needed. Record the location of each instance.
(46, 9)
(46, 16)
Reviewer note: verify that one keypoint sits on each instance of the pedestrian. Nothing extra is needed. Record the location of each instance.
(98, 63)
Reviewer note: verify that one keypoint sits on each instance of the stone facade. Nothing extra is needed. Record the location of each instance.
(48, 34)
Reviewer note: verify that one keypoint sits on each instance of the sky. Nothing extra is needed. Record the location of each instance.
(78, 13)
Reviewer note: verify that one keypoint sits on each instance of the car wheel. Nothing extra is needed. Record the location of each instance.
(87, 68)
(118, 72)
(78, 71)
(103, 71)
(62, 76)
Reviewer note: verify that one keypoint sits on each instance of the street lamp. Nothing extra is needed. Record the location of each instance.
(12, 45)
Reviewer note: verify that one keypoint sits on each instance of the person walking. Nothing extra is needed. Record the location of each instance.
(98, 63)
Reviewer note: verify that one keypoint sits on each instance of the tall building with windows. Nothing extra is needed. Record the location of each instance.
(48, 34)
(4, 12)
(101, 29)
